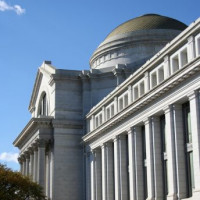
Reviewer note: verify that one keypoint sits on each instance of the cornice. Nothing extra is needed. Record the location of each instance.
(35, 90)
(154, 93)
(32, 125)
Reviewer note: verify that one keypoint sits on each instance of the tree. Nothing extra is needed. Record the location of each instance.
(15, 186)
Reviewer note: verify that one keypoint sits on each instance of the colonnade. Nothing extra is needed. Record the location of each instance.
(36, 162)
(150, 160)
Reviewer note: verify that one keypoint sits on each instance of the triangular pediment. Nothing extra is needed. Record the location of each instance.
(47, 70)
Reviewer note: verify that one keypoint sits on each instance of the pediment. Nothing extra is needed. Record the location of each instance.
(45, 70)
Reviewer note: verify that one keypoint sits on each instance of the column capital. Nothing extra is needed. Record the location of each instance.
(166, 58)
(129, 130)
(41, 143)
(30, 150)
(155, 118)
(34, 146)
(146, 121)
(190, 39)
(27, 155)
(167, 108)
(116, 138)
(192, 95)
(20, 160)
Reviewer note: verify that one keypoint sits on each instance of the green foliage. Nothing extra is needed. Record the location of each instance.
(14, 186)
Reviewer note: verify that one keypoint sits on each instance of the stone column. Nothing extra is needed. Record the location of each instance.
(31, 153)
(27, 156)
(131, 154)
(179, 151)
(35, 164)
(194, 99)
(149, 159)
(21, 164)
(92, 175)
(123, 167)
(157, 155)
(172, 187)
(98, 174)
(24, 165)
(116, 169)
(104, 172)
(41, 163)
(139, 163)
(110, 170)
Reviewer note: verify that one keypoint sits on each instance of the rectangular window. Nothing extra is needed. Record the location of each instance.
(136, 95)
(120, 104)
(112, 110)
(160, 74)
(175, 64)
(198, 46)
(108, 113)
(189, 151)
(141, 88)
(164, 152)
(153, 80)
(184, 57)
(126, 100)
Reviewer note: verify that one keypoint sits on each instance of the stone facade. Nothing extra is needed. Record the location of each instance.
(126, 129)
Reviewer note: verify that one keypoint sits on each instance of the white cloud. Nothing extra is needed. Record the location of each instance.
(9, 157)
(16, 8)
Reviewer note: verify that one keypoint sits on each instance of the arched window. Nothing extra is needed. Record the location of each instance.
(43, 108)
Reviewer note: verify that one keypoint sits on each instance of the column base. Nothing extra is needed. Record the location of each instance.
(196, 194)
(171, 197)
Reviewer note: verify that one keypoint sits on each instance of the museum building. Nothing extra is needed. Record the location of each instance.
(128, 128)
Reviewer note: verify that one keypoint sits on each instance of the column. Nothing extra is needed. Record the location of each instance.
(110, 171)
(41, 163)
(149, 159)
(116, 168)
(157, 155)
(139, 162)
(194, 100)
(172, 190)
(35, 164)
(31, 153)
(123, 167)
(21, 164)
(131, 155)
(27, 156)
(98, 174)
(92, 172)
(179, 151)
(104, 172)
(24, 165)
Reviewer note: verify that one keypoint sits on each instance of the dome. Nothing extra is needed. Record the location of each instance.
(135, 41)
(146, 22)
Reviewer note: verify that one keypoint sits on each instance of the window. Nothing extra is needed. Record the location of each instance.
(136, 93)
(189, 150)
(123, 101)
(43, 109)
(109, 111)
(157, 76)
(197, 45)
(175, 64)
(184, 57)
(164, 157)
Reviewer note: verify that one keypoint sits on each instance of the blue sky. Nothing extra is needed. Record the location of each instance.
(65, 32)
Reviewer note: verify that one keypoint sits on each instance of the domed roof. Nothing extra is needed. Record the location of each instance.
(146, 22)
